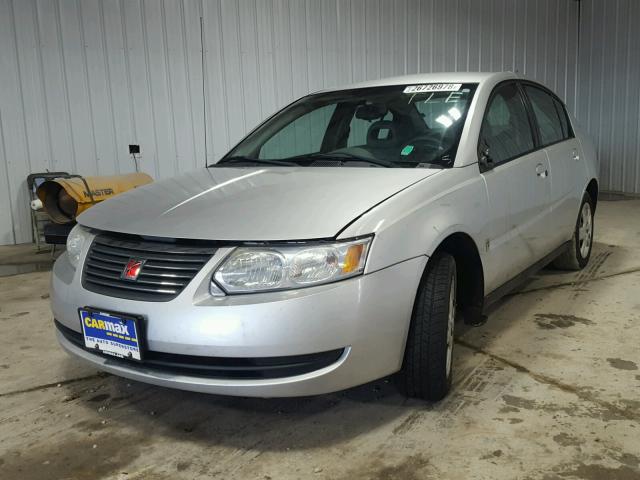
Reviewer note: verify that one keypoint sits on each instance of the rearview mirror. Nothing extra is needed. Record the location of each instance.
(371, 111)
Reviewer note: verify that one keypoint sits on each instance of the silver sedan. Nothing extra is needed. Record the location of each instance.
(336, 244)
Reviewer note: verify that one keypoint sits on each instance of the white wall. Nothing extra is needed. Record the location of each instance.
(82, 79)
(609, 94)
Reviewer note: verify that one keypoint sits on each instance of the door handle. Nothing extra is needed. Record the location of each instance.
(541, 171)
(575, 156)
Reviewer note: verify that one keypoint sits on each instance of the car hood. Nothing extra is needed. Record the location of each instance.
(261, 204)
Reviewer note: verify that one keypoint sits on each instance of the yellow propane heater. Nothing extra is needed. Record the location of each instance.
(65, 198)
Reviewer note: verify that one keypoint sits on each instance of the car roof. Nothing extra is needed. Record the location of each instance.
(442, 77)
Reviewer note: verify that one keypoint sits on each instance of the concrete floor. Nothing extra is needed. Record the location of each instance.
(547, 389)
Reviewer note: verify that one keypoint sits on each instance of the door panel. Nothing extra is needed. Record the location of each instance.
(517, 179)
(518, 201)
(498, 243)
(529, 194)
(563, 162)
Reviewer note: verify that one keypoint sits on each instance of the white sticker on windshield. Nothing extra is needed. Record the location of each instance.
(433, 87)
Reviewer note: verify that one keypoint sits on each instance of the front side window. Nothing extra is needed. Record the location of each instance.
(506, 131)
(392, 126)
(547, 115)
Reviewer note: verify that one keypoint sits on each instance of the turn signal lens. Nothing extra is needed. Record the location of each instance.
(352, 258)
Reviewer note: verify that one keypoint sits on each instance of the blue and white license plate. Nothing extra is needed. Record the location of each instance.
(111, 333)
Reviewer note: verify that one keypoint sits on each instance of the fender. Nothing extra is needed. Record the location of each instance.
(419, 218)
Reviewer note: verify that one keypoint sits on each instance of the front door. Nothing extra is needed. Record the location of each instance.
(518, 186)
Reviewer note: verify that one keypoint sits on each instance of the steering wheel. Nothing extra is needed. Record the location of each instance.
(427, 143)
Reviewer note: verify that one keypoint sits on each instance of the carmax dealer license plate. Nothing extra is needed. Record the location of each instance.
(111, 333)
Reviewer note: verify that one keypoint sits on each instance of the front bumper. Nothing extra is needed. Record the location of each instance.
(366, 318)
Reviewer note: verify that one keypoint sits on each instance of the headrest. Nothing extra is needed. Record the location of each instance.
(382, 134)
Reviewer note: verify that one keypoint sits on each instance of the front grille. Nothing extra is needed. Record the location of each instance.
(169, 267)
(240, 368)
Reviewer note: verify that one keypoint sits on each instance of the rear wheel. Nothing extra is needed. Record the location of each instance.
(426, 372)
(577, 255)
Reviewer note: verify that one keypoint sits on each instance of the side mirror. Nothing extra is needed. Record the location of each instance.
(484, 158)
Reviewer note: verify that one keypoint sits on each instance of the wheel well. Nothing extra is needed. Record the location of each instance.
(592, 189)
(470, 295)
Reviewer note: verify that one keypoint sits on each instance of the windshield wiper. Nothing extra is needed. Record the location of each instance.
(260, 161)
(345, 157)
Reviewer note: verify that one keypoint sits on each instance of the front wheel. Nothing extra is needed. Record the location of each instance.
(426, 372)
(577, 255)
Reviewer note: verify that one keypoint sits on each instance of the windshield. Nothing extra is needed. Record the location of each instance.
(393, 126)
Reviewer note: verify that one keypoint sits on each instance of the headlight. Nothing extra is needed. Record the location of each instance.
(257, 269)
(75, 243)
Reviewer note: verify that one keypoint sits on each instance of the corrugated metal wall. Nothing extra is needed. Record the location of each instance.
(609, 97)
(82, 79)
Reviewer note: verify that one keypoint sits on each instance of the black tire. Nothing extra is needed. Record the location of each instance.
(426, 373)
(576, 257)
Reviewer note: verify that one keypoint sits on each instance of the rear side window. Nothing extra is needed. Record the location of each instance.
(506, 130)
(549, 117)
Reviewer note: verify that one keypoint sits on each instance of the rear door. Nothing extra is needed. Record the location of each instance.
(517, 185)
(563, 152)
